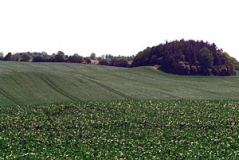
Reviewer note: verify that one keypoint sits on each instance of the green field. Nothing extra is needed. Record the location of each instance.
(44, 83)
(79, 111)
(126, 129)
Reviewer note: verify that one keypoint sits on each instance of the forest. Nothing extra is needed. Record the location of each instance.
(187, 58)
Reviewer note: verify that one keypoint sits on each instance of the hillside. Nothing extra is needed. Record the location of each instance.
(102, 112)
(44, 83)
(188, 58)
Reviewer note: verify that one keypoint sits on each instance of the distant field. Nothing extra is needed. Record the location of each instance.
(44, 83)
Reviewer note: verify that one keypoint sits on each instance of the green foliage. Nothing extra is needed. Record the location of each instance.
(205, 58)
(171, 129)
(15, 57)
(236, 65)
(39, 59)
(75, 59)
(1, 56)
(110, 57)
(142, 58)
(119, 62)
(87, 60)
(8, 56)
(26, 58)
(79, 111)
(93, 56)
(104, 62)
(187, 58)
(60, 57)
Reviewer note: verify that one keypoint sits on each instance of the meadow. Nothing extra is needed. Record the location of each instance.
(79, 111)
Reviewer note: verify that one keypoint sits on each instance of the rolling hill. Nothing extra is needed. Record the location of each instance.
(45, 83)
(80, 111)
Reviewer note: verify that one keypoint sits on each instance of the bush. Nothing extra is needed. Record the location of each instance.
(75, 59)
(104, 62)
(87, 60)
(38, 59)
(26, 57)
(119, 63)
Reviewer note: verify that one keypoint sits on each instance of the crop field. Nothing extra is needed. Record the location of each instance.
(45, 83)
(125, 129)
(79, 111)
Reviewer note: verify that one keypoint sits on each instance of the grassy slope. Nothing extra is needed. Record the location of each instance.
(43, 83)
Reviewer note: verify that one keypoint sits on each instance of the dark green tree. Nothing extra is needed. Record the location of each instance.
(93, 56)
(26, 57)
(60, 56)
(206, 58)
(15, 57)
(120, 62)
(8, 57)
(142, 58)
(187, 57)
(75, 59)
(104, 62)
(38, 58)
(87, 60)
(1, 56)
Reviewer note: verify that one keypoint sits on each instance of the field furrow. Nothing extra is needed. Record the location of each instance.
(80, 111)
(41, 83)
(93, 80)
(111, 89)
(10, 97)
(57, 88)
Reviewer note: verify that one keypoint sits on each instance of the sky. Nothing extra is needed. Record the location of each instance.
(117, 27)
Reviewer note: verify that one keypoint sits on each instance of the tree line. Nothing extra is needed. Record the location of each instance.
(108, 59)
(187, 58)
(177, 57)
(119, 61)
(44, 57)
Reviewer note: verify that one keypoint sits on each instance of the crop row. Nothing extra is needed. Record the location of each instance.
(127, 129)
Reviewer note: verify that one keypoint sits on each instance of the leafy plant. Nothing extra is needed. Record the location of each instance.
(129, 129)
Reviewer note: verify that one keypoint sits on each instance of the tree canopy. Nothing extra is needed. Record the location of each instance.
(187, 58)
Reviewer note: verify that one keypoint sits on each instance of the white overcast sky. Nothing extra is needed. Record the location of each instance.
(117, 27)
